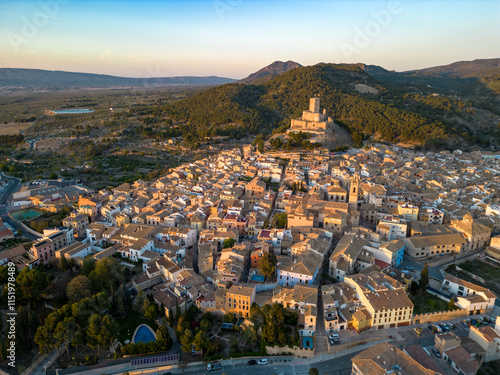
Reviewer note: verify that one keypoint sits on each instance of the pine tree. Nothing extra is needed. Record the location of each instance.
(424, 277)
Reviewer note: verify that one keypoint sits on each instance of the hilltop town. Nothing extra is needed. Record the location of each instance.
(348, 244)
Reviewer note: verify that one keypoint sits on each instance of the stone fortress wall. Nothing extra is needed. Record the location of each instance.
(312, 120)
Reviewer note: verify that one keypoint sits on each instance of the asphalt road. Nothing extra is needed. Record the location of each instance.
(333, 364)
(337, 366)
(7, 190)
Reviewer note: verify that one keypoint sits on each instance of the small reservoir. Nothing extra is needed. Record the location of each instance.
(73, 111)
(23, 215)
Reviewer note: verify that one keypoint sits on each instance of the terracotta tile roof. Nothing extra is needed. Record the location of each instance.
(380, 359)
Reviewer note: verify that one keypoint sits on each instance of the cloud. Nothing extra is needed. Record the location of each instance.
(106, 56)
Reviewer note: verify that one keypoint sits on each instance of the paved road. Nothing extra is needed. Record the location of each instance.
(4, 197)
(12, 185)
(39, 367)
(331, 364)
(24, 232)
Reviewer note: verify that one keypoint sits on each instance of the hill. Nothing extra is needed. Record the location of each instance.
(463, 69)
(59, 79)
(269, 72)
(486, 71)
(399, 112)
(478, 77)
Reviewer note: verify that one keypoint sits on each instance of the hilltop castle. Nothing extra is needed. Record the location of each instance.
(312, 121)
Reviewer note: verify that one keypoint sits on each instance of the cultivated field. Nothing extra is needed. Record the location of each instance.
(13, 128)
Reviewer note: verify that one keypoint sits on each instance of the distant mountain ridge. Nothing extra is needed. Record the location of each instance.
(463, 69)
(486, 71)
(269, 72)
(461, 76)
(403, 108)
(61, 79)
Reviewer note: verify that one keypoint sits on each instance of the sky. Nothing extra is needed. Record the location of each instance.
(233, 38)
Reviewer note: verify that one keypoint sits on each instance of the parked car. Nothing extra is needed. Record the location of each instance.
(436, 352)
(418, 331)
(214, 366)
(263, 361)
(438, 328)
(452, 326)
(332, 342)
(333, 336)
(252, 362)
(432, 328)
(445, 327)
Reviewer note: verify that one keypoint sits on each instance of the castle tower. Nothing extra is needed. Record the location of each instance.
(314, 105)
(354, 191)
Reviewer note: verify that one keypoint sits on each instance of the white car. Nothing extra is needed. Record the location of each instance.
(333, 336)
(263, 361)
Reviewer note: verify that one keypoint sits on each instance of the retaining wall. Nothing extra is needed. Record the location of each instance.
(265, 287)
(474, 276)
(25, 227)
(296, 351)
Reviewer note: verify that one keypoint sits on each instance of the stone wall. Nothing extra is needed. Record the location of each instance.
(438, 316)
(296, 351)
(265, 287)
(470, 274)
(340, 348)
(25, 227)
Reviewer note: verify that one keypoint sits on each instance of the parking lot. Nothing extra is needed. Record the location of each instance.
(459, 329)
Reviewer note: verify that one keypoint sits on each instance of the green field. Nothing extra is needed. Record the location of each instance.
(26, 214)
(427, 303)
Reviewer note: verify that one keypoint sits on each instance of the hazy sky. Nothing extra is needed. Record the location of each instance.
(234, 38)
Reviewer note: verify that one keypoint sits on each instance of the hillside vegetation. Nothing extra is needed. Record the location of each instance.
(398, 113)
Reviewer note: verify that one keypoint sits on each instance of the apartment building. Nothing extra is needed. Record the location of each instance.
(408, 211)
(423, 247)
(43, 250)
(391, 228)
(76, 221)
(476, 234)
(384, 298)
(239, 299)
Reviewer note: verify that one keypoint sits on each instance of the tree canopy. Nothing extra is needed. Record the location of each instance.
(267, 265)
